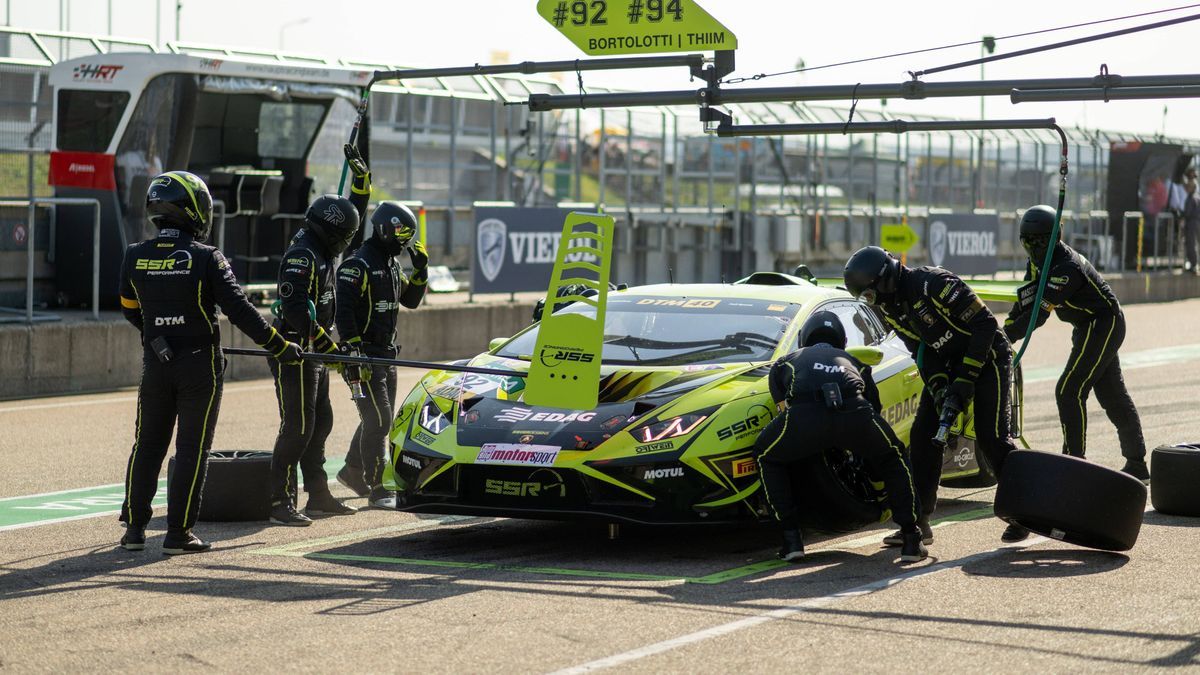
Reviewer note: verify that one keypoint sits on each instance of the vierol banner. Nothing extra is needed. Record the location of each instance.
(515, 248)
(964, 243)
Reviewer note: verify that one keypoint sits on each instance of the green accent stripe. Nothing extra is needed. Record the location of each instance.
(184, 183)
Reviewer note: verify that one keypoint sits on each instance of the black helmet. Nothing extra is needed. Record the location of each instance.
(1036, 227)
(334, 220)
(180, 200)
(871, 274)
(394, 226)
(823, 326)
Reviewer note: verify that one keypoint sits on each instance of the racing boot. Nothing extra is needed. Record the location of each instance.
(351, 477)
(897, 538)
(180, 542)
(382, 498)
(913, 548)
(793, 546)
(1138, 469)
(286, 514)
(1014, 533)
(134, 538)
(323, 505)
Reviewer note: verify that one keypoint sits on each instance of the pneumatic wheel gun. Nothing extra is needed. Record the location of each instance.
(952, 407)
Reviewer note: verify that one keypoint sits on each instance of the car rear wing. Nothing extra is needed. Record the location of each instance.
(565, 369)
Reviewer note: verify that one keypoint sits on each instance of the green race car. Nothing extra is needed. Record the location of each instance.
(683, 394)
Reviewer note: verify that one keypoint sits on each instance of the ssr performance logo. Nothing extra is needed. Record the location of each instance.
(541, 483)
(96, 72)
(553, 355)
(756, 417)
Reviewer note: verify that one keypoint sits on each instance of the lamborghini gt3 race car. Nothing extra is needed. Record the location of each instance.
(683, 394)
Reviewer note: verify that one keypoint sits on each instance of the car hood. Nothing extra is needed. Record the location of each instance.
(491, 409)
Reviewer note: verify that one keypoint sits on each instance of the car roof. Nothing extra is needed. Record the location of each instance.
(803, 293)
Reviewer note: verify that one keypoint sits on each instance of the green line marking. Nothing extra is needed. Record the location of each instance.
(79, 503)
(1147, 358)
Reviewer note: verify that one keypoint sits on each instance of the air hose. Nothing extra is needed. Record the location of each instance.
(1044, 270)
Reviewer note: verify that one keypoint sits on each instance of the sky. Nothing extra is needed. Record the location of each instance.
(773, 35)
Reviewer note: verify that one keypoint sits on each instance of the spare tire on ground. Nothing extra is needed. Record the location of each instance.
(1175, 479)
(1071, 499)
(237, 486)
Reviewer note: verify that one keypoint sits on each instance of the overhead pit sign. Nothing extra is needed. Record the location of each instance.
(614, 27)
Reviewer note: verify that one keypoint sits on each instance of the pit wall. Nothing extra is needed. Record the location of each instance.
(82, 355)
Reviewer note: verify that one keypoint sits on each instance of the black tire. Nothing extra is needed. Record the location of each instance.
(237, 486)
(1071, 499)
(1174, 479)
(834, 493)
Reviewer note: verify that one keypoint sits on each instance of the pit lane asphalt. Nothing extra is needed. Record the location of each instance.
(386, 592)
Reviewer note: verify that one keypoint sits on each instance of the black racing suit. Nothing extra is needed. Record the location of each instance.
(1081, 297)
(956, 340)
(306, 309)
(808, 426)
(371, 287)
(170, 289)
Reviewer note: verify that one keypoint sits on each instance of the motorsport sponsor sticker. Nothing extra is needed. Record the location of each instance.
(519, 454)
(655, 447)
(745, 466)
(610, 27)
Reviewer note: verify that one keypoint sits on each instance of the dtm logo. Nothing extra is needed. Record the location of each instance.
(828, 369)
(941, 342)
(552, 355)
(89, 71)
(541, 483)
(168, 321)
(671, 472)
(334, 215)
(756, 416)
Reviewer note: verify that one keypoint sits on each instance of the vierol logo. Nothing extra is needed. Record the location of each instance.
(489, 246)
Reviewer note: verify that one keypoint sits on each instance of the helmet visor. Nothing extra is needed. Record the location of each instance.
(1035, 244)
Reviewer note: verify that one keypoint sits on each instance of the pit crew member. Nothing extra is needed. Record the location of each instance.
(828, 399)
(306, 295)
(962, 355)
(171, 286)
(1080, 297)
(371, 287)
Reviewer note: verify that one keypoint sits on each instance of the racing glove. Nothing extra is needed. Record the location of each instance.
(323, 344)
(963, 389)
(937, 386)
(361, 183)
(352, 372)
(420, 262)
(287, 353)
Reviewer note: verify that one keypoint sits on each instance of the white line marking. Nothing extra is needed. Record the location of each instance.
(785, 612)
(121, 399)
(84, 516)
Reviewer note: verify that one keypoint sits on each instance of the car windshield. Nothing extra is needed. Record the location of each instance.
(665, 331)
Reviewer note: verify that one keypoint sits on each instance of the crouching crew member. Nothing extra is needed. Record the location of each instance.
(828, 399)
(962, 355)
(306, 295)
(371, 287)
(1081, 297)
(170, 288)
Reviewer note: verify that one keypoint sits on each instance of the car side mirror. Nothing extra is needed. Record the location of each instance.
(496, 342)
(871, 356)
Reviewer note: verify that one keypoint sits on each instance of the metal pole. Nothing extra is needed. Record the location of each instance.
(628, 159)
(29, 263)
(453, 177)
(532, 67)
(910, 90)
(1104, 94)
(408, 146)
(601, 154)
(96, 263)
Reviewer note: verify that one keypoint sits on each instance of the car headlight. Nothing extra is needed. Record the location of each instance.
(680, 425)
(432, 419)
